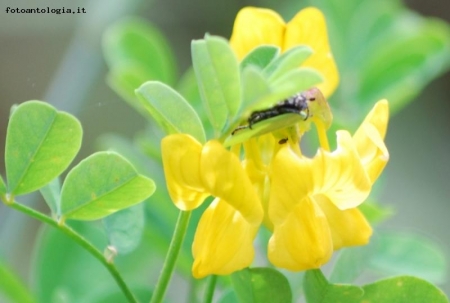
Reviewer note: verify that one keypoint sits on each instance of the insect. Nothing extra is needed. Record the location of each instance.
(283, 141)
(297, 104)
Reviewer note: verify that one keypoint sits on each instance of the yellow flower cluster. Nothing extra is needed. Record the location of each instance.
(309, 204)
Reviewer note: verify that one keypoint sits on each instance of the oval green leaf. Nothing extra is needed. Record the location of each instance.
(124, 80)
(291, 59)
(295, 81)
(52, 196)
(125, 227)
(403, 290)
(218, 78)
(40, 144)
(137, 42)
(56, 256)
(265, 94)
(261, 285)
(318, 290)
(260, 56)
(255, 86)
(264, 127)
(102, 184)
(351, 263)
(170, 110)
(409, 254)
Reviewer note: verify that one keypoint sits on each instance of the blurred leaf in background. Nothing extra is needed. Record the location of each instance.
(383, 50)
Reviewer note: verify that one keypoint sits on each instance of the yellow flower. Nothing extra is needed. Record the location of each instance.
(312, 203)
(224, 238)
(257, 26)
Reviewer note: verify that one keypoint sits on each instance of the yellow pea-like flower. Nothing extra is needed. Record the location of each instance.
(223, 241)
(313, 201)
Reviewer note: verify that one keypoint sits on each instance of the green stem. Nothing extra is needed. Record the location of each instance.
(209, 291)
(171, 258)
(81, 241)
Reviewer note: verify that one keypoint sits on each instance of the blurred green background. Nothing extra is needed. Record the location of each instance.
(57, 58)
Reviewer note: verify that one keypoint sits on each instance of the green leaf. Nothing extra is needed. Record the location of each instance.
(57, 258)
(260, 285)
(318, 290)
(259, 94)
(40, 144)
(350, 264)
(170, 110)
(401, 69)
(255, 86)
(228, 297)
(242, 285)
(218, 78)
(125, 228)
(383, 50)
(124, 80)
(375, 212)
(159, 220)
(410, 254)
(52, 196)
(403, 290)
(288, 61)
(11, 287)
(102, 184)
(296, 81)
(135, 42)
(260, 56)
(264, 127)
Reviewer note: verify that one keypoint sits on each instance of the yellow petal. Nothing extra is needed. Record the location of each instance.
(348, 227)
(224, 177)
(258, 155)
(369, 140)
(303, 240)
(181, 160)
(291, 182)
(254, 27)
(223, 241)
(340, 176)
(308, 27)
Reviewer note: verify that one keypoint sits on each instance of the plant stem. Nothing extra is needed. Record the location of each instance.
(81, 241)
(171, 258)
(209, 291)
